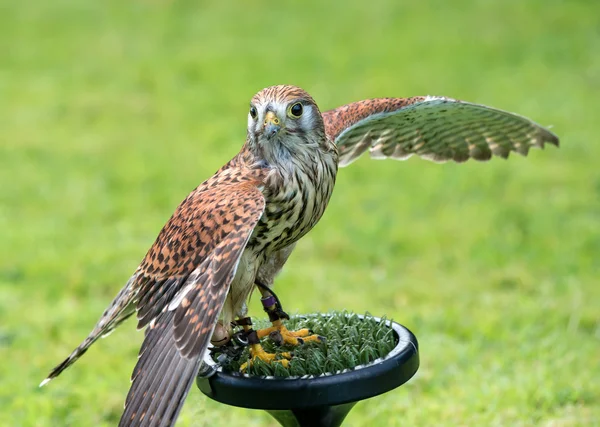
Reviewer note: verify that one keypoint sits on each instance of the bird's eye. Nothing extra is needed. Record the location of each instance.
(295, 110)
(253, 113)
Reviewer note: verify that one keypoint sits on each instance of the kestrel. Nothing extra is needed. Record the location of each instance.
(236, 230)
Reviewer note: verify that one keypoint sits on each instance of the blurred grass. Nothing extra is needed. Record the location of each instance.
(112, 111)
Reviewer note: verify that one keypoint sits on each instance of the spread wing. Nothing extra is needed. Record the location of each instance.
(435, 128)
(184, 281)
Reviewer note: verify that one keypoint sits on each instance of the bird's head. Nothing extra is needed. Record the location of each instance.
(284, 121)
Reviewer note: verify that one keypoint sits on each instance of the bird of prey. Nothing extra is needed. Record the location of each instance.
(235, 231)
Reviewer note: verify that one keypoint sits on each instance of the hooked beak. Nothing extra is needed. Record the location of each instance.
(272, 125)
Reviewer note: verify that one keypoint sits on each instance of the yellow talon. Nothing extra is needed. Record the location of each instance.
(287, 337)
(280, 335)
(257, 352)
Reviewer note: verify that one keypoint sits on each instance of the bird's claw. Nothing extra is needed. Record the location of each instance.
(258, 352)
(280, 335)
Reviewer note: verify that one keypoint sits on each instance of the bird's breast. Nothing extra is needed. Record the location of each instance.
(296, 198)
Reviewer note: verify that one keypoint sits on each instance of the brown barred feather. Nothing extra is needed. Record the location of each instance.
(176, 340)
(197, 227)
(161, 378)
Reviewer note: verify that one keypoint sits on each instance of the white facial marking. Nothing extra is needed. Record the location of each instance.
(308, 117)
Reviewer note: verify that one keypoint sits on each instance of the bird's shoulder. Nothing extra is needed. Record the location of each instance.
(211, 211)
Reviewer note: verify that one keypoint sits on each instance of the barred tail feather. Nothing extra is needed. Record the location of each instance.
(120, 309)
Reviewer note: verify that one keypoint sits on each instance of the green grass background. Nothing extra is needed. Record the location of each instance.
(111, 111)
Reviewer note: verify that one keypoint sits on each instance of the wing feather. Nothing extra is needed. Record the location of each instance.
(161, 376)
(196, 228)
(176, 339)
(154, 294)
(435, 128)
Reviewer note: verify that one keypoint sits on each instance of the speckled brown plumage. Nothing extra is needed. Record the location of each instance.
(241, 224)
(346, 116)
(212, 212)
(211, 227)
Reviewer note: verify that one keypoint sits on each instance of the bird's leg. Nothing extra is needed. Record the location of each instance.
(256, 350)
(278, 332)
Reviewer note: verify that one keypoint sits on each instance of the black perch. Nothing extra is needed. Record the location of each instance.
(322, 401)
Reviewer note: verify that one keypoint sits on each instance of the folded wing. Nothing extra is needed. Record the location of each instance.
(181, 302)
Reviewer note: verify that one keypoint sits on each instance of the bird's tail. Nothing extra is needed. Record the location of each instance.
(120, 309)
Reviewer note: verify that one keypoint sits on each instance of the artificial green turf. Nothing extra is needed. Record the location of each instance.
(111, 111)
(350, 341)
